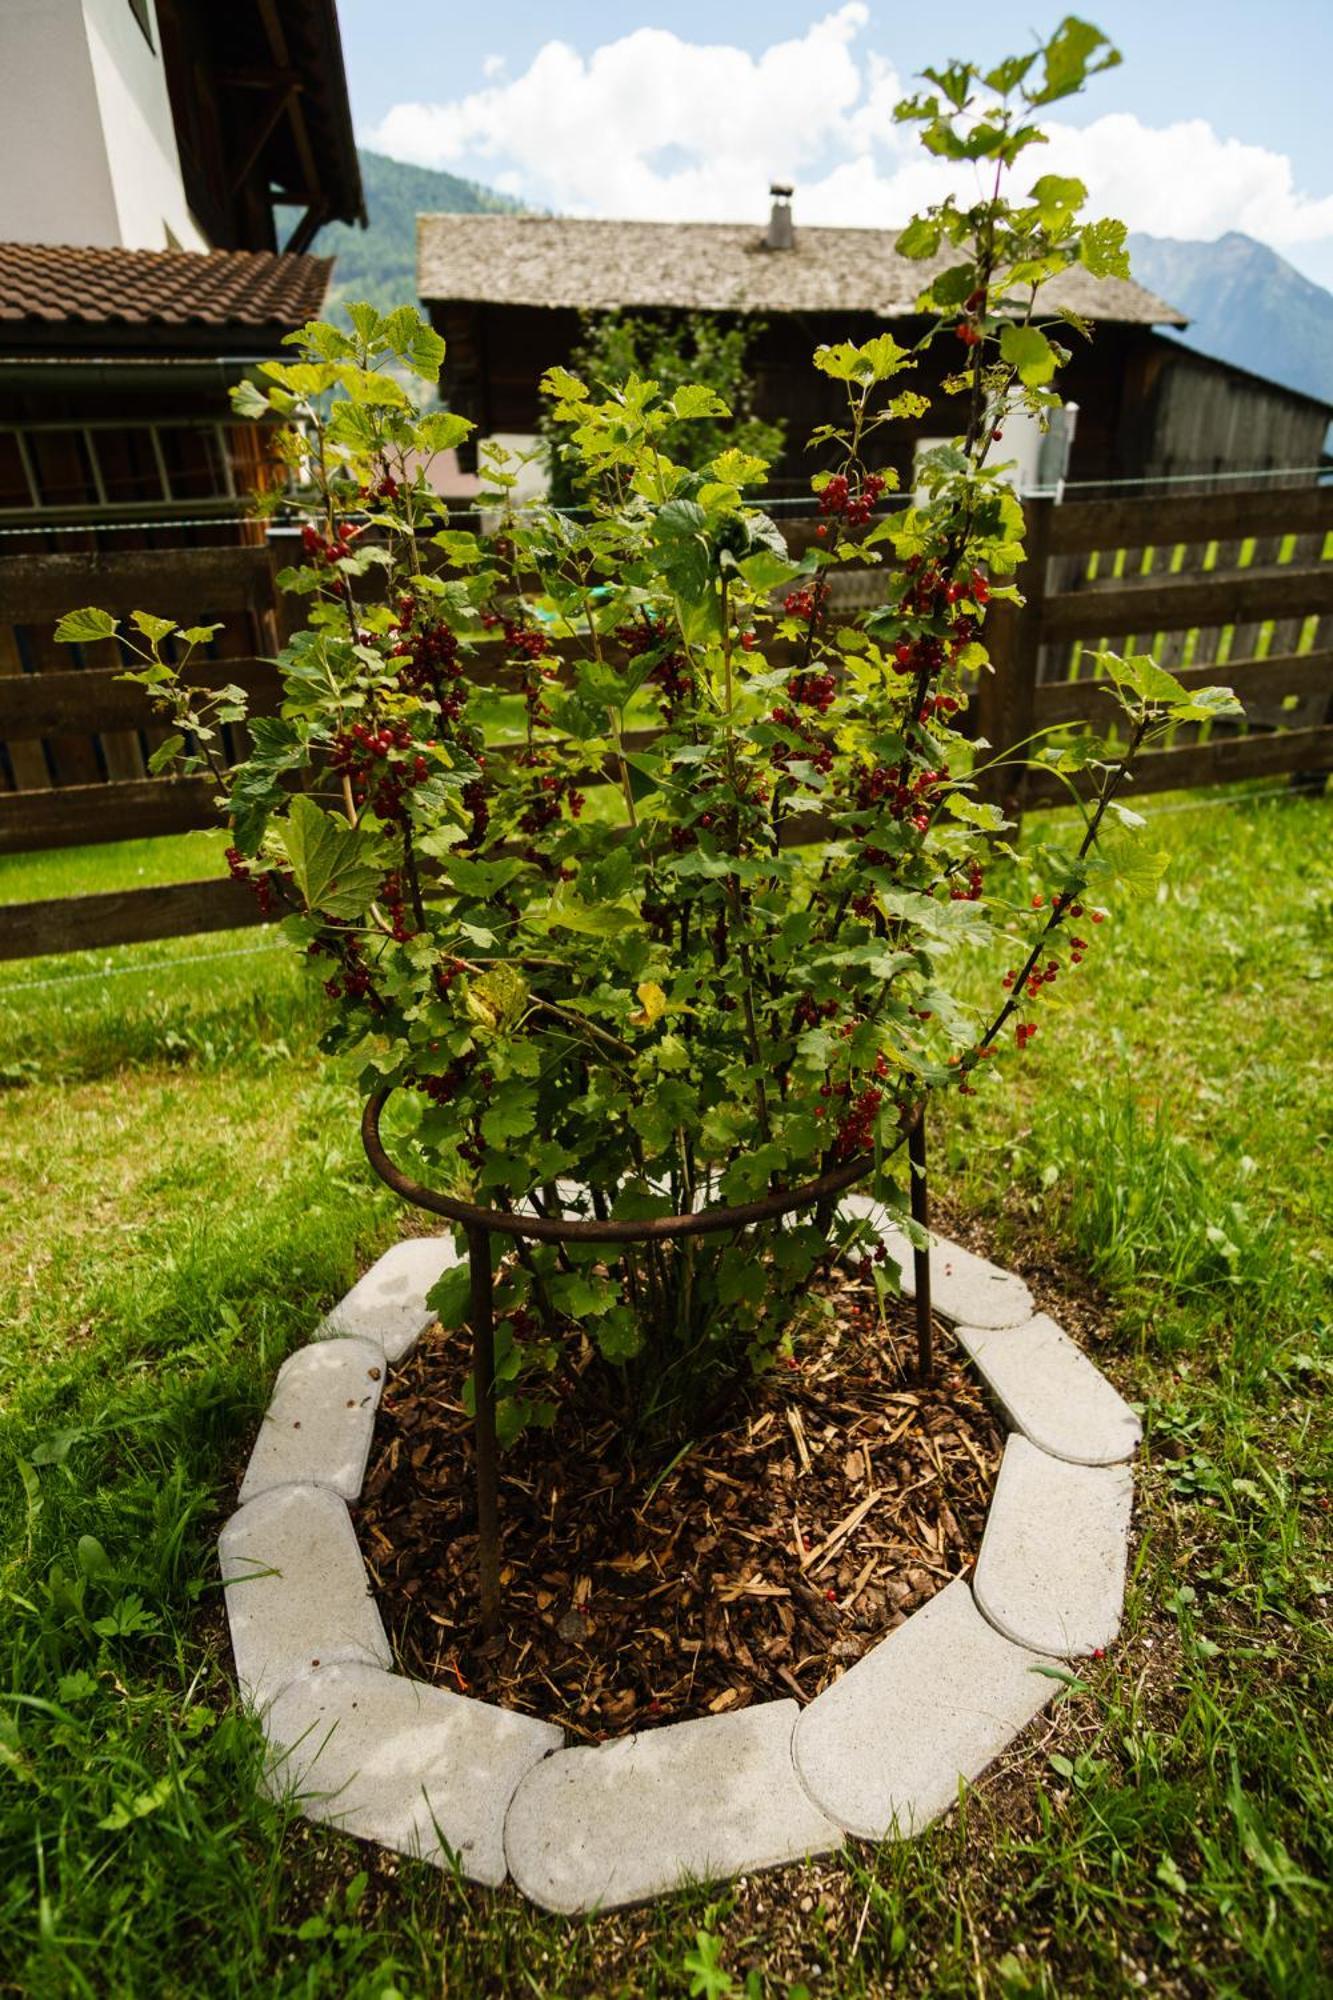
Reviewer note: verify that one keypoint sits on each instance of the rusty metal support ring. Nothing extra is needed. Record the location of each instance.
(561, 1228)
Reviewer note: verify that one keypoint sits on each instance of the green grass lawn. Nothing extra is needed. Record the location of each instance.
(181, 1196)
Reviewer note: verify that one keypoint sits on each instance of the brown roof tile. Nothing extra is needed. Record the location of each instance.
(112, 290)
(602, 266)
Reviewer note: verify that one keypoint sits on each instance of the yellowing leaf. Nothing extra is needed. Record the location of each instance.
(652, 1003)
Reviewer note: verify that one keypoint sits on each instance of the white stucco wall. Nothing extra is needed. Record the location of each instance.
(55, 181)
(87, 146)
(137, 131)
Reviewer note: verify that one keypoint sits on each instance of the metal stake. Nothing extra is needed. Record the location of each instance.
(925, 1343)
(483, 1387)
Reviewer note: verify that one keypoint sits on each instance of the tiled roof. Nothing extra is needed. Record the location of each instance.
(596, 266)
(115, 292)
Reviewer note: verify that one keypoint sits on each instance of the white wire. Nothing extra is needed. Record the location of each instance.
(149, 965)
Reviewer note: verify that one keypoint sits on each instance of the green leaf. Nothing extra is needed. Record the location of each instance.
(511, 1115)
(567, 388)
(976, 812)
(249, 400)
(1101, 249)
(442, 430)
(921, 238)
(198, 635)
(331, 861)
(450, 1297)
(155, 630)
(165, 755)
(1029, 352)
(82, 628)
(874, 361)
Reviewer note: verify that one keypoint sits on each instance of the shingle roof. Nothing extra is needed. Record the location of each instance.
(118, 293)
(535, 260)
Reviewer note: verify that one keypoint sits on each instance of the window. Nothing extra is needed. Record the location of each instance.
(142, 11)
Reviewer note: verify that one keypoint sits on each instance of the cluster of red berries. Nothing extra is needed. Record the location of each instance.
(391, 895)
(444, 1088)
(808, 603)
(810, 1012)
(551, 790)
(854, 505)
(920, 656)
(383, 764)
(426, 656)
(328, 549)
(386, 489)
(260, 882)
(815, 751)
(888, 785)
(975, 881)
(672, 675)
(813, 690)
(1024, 1032)
(856, 1129)
(475, 802)
(939, 704)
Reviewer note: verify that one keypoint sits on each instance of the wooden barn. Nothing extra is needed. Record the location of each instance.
(510, 293)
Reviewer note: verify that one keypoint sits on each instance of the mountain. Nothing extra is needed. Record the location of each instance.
(380, 263)
(1246, 305)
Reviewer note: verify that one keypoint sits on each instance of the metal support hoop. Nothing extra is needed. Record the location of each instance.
(481, 1223)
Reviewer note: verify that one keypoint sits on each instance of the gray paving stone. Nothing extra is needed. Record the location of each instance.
(318, 1427)
(389, 1305)
(1051, 1573)
(963, 1286)
(594, 1828)
(882, 1750)
(1052, 1392)
(296, 1589)
(415, 1768)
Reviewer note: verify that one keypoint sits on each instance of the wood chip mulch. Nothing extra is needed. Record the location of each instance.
(833, 1500)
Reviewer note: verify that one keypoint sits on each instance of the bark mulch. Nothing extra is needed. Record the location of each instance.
(833, 1500)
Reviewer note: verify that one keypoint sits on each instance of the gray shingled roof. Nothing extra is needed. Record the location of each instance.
(537, 260)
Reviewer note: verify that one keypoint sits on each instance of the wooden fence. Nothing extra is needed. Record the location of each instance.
(1233, 587)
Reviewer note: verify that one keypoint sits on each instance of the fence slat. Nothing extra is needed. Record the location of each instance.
(1221, 761)
(178, 583)
(80, 815)
(126, 916)
(1212, 599)
(1266, 681)
(1191, 517)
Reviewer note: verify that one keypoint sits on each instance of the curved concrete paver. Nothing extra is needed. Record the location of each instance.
(884, 1749)
(415, 1768)
(694, 1801)
(296, 1588)
(320, 1423)
(1049, 1390)
(963, 1286)
(388, 1304)
(1051, 1573)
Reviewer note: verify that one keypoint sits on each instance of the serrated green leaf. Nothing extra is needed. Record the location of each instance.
(337, 867)
(1029, 352)
(83, 627)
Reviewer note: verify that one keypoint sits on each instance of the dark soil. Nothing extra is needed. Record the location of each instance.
(832, 1501)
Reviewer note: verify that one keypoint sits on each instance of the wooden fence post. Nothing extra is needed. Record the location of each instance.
(1006, 698)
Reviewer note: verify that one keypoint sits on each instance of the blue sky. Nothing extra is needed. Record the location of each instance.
(1218, 118)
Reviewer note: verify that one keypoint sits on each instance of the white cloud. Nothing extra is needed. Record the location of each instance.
(493, 66)
(656, 127)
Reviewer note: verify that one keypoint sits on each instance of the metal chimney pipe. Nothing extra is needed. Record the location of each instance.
(781, 235)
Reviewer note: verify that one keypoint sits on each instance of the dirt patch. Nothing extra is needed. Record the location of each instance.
(833, 1501)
